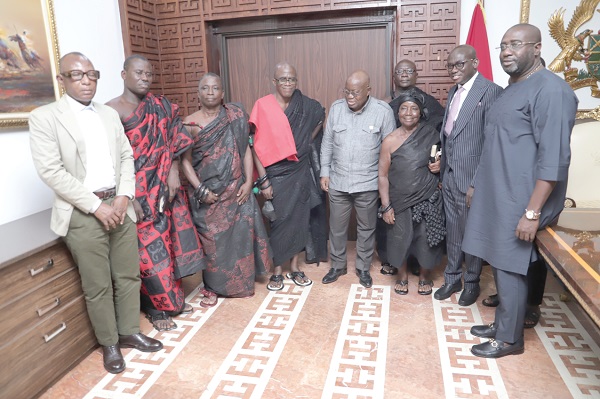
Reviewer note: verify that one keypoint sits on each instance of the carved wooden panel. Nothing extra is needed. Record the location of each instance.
(427, 32)
(172, 34)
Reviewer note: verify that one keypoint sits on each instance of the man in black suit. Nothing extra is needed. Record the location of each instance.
(462, 142)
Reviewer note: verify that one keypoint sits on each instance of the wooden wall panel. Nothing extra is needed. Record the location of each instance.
(173, 35)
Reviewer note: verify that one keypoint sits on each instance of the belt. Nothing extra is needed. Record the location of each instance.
(106, 194)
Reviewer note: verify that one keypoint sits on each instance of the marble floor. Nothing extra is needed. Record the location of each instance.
(343, 341)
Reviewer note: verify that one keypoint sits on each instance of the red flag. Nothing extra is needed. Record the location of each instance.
(478, 38)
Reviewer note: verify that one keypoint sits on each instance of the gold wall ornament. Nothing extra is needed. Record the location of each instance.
(573, 47)
(589, 114)
(525, 6)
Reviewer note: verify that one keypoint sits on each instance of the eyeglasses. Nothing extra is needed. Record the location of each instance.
(459, 65)
(283, 81)
(408, 71)
(139, 73)
(513, 46)
(352, 93)
(78, 75)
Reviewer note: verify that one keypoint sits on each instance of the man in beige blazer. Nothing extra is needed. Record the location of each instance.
(80, 151)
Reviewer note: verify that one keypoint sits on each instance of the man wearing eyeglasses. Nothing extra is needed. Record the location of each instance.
(286, 144)
(80, 151)
(169, 246)
(355, 128)
(462, 139)
(521, 181)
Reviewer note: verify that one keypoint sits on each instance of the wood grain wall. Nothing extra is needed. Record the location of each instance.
(173, 35)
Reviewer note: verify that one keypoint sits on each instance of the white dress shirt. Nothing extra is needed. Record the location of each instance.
(467, 86)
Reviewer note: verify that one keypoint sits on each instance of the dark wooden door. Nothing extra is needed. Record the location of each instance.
(323, 55)
(323, 60)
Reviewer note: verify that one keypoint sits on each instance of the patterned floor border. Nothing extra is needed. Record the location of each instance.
(144, 369)
(465, 375)
(249, 365)
(357, 368)
(575, 354)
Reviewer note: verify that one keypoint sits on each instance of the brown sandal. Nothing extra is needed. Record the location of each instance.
(210, 299)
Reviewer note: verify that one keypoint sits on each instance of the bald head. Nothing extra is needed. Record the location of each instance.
(357, 90)
(528, 31)
(464, 49)
(64, 64)
(462, 64)
(283, 66)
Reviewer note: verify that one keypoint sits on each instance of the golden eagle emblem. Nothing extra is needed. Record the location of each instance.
(571, 44)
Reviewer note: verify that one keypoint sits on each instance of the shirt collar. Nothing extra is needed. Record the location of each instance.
(76, 106)
(467, 86)
(362, 109)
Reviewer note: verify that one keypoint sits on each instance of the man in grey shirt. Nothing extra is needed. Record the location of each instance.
(355, 128)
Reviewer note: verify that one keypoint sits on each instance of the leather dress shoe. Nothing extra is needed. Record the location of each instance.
(333, 274)
(484, 331)
(140, 342)
(364, 278)
(495, 349)
(468, 297)
(113, 359)
(446, 290)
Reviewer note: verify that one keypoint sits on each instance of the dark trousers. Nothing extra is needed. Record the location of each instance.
(455, 206)
(510, 313)
(340, 209)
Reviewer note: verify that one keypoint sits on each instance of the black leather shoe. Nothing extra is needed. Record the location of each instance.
(468, 297)
(113, 359)
(446, 290)
(364, 278)
(140, 342)
(484, 331)
(333, 274)
(495, 349)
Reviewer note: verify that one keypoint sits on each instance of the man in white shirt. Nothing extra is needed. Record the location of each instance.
(80, 151)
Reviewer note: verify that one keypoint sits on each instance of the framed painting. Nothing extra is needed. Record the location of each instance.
(28, 59)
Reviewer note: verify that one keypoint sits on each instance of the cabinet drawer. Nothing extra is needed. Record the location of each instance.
(37, 358)
(26, 274)
(42, 303)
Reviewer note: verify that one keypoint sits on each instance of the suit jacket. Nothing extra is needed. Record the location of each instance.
(59, 155)
(461, 150)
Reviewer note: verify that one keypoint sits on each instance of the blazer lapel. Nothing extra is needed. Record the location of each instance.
(447, 109)
(67, 119)
(471, 102)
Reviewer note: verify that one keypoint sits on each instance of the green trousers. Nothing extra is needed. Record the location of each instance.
(109, 267)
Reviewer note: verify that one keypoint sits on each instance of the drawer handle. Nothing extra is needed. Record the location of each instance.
(43, 268)
(54, 304)
(50, 337)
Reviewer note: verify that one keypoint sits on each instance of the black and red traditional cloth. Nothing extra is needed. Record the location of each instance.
(168, 243)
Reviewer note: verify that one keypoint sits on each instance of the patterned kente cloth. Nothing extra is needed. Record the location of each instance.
(168, 244)
(298, 200)
(233, 236)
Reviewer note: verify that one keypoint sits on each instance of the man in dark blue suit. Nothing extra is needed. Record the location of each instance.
(462, 142)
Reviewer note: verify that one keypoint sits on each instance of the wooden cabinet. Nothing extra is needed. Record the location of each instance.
(45, 328)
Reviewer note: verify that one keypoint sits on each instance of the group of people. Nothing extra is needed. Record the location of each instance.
(480, 177)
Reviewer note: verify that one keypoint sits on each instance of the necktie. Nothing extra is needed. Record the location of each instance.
(453, 111)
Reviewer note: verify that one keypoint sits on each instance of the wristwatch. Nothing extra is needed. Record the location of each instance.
(532, 215)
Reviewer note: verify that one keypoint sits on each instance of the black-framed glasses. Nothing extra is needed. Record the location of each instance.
(284, 80)
(408, 71)
(78, 75)
(514, 46)
(352, 93)
(139, 73)
(458, 65)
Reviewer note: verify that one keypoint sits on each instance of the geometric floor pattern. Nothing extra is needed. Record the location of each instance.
(465, 375)
(341, 340)
(575, 354)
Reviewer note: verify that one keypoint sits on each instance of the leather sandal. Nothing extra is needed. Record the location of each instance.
(278, 280)
(388, 270)
(403, 290)
(299, 278)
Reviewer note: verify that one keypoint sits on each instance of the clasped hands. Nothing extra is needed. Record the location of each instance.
(114, 214)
